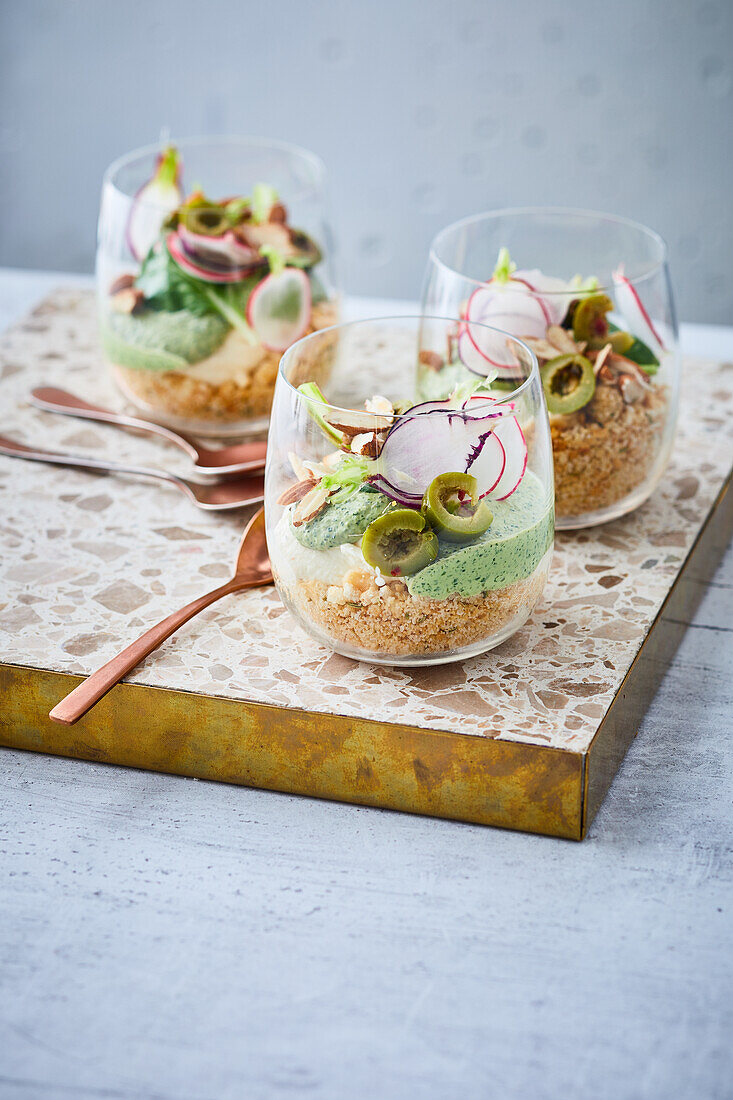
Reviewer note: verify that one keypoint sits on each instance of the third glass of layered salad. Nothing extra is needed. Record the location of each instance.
(590, 294)
(404, 530)
(212, 259)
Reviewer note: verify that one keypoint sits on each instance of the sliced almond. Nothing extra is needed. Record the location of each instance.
(123, 282)
(631, 390)
(379, 404)
(626, 366)
(299, 469)
(431, 359)
(352, 423)
(296, 492)
(365, 444)
(562, 340)
(129, 300)
(311, 505)
(543, 349)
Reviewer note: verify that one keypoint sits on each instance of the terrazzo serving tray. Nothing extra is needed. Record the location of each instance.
(528, 736)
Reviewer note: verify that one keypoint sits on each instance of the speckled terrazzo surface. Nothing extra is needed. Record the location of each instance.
(87, 563)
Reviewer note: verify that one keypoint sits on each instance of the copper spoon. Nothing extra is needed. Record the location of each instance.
(237, 458)
(236, 493)
(252, 569)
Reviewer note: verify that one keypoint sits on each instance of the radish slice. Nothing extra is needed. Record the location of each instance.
(486, 351)
(197, 269)
(152, 204)
(226, 250)
(420, 447)
(509, 433)
(632, 308)
(509, 307)
(279, 308)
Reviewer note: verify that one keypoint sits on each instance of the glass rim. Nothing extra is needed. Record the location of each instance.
(573, 211)
(532, 377)
(233, 140)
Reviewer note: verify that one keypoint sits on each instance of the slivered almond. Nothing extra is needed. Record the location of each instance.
(311, 504)
(300, 471)
(296, 492)
(601, 357)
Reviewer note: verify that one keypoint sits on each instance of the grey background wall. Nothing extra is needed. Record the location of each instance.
(424, 110)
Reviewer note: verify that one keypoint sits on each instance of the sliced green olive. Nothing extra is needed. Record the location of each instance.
(209, 221)
(452, 506)
(399, 543)
(568, 382)
(620, 341)
(589, 319)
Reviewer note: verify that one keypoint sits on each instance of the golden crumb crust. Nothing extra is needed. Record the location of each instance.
(249, 397)
(605, 452)
(387, 620)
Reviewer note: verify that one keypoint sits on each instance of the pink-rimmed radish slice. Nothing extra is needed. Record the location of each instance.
(152, 204)
(484, 351)
(198, 269)
(279, 308)
(632, 309)
(226, 250)
(509, 433)
(509, 307)
(419, 448)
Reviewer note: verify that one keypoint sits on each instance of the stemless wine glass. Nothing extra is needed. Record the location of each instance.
(591, 295)
(403, 531)
(213, 256)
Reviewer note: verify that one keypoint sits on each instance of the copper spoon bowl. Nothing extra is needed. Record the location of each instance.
(214, 497)
(239, 458)
(252, 569)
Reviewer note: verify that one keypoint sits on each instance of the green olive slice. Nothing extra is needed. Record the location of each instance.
(399, 543)
(209, 221)
(589, 319)
(568, 382)
(452, 506)
(620, 341)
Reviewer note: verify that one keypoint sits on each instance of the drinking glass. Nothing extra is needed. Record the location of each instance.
(214, 254)
(591, 294)
(404, 530)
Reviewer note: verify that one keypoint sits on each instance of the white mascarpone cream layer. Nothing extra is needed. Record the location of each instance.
(293, 562)
(233, 361)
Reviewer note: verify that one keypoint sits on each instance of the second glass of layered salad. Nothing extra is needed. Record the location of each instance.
(401, 530)
(590, 294)
(212, 259)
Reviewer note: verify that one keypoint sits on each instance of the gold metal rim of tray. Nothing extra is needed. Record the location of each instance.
(441, 773)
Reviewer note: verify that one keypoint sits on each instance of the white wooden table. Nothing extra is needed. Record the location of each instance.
(172, 939)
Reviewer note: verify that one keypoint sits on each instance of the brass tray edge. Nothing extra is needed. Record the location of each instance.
(619, 726)
(440, 773)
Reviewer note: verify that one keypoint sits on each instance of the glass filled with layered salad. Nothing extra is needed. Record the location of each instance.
(590, 294)
(212, 259)
(402, 529)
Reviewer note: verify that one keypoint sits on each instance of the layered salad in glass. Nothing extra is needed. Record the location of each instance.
(222, 286)
(420, 532)
(599, 356)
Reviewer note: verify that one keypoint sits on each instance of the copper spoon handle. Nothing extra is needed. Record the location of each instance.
(97, 465)
(91, 690)
(53, 399)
